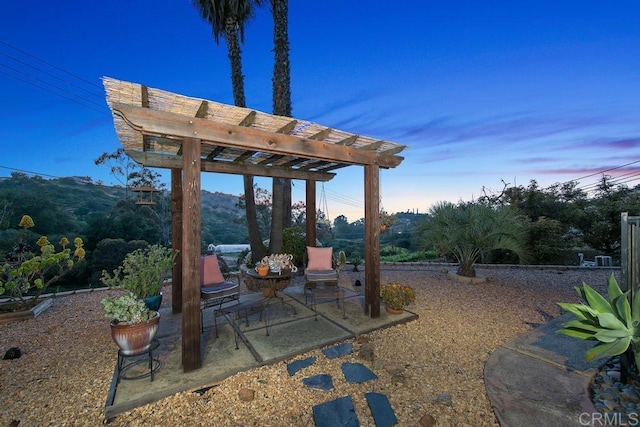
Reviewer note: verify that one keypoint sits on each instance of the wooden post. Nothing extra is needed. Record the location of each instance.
(191, 205)
(372, 240)
(176, 239)
(311, 212)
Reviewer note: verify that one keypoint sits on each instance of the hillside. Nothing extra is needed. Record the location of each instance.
(68, 206)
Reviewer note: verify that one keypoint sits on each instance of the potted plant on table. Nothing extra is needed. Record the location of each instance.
(133, 324)
(396, 296)
(143, 273)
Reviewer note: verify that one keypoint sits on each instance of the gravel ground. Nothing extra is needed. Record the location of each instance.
(430, 366)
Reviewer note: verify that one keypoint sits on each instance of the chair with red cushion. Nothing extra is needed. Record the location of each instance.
(215, 288)
(321, 277)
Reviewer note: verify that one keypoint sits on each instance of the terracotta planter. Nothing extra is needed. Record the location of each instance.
(393, 310)
(135, 339)
(263, 271)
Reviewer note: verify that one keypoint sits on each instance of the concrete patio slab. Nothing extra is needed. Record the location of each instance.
(290, 334)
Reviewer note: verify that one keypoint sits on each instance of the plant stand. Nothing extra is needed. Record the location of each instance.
(122, 369)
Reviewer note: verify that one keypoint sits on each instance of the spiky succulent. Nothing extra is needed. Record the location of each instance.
(612, 321)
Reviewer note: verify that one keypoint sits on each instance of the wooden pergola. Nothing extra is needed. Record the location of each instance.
(190, 136)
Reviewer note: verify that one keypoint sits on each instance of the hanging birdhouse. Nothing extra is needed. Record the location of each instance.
(145, 195)
(386, 220)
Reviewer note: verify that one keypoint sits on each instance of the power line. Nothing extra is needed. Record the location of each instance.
(50, 65)
(45, 83)
(31, 172)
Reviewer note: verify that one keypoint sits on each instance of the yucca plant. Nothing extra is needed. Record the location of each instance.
(611, 321)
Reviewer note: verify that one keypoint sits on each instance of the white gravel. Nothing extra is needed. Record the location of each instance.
(430, 366)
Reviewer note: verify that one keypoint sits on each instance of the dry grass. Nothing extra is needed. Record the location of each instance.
(64, 375)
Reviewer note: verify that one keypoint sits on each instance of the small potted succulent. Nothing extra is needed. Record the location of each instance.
(262, 267)
(133, 324)
(396, 296)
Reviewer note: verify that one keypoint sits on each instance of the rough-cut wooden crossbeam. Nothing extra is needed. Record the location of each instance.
(293, 162)
(395, 150)
(372, 146)
(321, 135)
(333, 167)
(314, 165)
(144, 96)
(248, 119)
(202, 110)
(348, 140)
(272, 158)
(288, 128)
(175, 162)
(174, 125)
(244, 156)
(216, 151)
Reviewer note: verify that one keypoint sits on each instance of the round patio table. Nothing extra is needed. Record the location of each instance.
(274, 282)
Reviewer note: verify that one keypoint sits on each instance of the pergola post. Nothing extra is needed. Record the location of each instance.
(191, 357)
(372, 240)
(176, 239)
(311, 212)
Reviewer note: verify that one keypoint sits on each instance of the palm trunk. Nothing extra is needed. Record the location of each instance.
(258, 251)
(237, 80)
(282, 91)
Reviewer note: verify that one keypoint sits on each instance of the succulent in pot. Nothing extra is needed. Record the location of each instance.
(126, 309)
(133, 324)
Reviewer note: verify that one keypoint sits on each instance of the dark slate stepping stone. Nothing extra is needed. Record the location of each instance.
(338, 350)
(319, 382)
(294, 367)
(336, 413)
(357, 373)
(381, 410)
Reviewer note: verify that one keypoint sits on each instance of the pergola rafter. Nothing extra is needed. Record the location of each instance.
(191, 135)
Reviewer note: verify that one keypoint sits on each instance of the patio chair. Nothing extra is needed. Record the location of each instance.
(321, 274)
(215, 289)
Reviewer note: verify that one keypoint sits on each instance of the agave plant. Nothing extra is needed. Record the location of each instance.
(612, 321)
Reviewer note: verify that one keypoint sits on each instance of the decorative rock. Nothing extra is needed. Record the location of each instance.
(443, 399)
(336, 413)
(319, 382)
(381, 410)
(366, 352)
(427, 420)
(394, 368)
(12, 353)
(362, 339)
(294, 367)
(357, 373)
(246, 394)
(338, 350)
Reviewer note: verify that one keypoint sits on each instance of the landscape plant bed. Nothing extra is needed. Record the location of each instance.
(12, 311)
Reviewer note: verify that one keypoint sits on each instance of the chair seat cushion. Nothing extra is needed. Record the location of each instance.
(216, 291)
(322, 275)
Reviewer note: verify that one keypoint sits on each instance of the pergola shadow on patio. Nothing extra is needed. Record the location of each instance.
(289, 335)
(190, 135)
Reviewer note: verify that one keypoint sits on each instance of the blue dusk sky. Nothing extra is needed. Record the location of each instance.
(480, 92)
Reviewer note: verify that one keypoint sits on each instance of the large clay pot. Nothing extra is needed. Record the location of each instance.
(136, 338)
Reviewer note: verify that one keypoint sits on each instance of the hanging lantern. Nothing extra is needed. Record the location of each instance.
(145, 195)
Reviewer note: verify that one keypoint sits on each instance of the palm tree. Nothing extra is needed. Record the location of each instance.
(469, 232)
(281, 214)
(227, 19)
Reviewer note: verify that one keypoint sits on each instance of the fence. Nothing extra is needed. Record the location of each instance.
(630, 252)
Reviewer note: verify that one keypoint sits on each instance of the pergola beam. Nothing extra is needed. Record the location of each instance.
(153, 122)
(156, 160)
